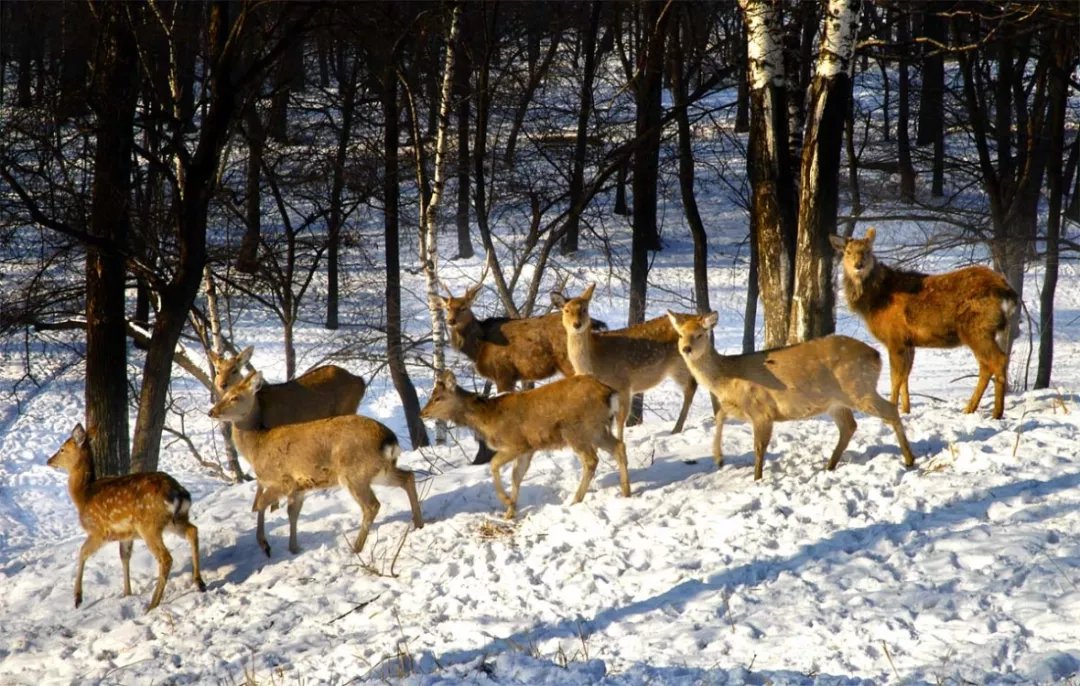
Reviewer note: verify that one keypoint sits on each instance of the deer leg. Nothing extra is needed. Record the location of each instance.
(618, 450)
(89, 547)
(521, 466)
(876, 406)
(992, 362)
(260, 531)
(369, 506)
(406, 480)
(296, 501)
(589, 460)
(191, 533)
(845, 422)
(497, 462)
(762, 436)
(625, 398)
(718, 439)
(689, 388)
(909, 360)
(125, 561)
(157, 547)
(896, 374)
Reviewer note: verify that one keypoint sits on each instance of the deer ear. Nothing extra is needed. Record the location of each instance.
(587, 295)
(78, 434)
(838, 243)
(253, 381)
(245, 356)
(674, 321)
(709, 320)
(870, 234)
(558, 299)
(447, 379)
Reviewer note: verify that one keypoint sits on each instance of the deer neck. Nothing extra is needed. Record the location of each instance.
(79, 480)
(467, 339)
(708, 367)
(477, 413)
(861, 293)
(579, 349)
(248, 431)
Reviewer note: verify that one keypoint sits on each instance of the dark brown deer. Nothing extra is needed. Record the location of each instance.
(907, 310)
(123, 508)
(629, 360)
(832, 374)
(574, 412)
(505, 350)
(290, 459)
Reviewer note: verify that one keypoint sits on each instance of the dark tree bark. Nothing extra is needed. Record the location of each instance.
(462, 91)
(247, 258)
(932, 96)
(742, 103)
(289, 78)
(395, 353)
(74, 60)
(903, 141)
(347, 87)
(686, 167)
(538, 71)
(106, 327)
(585, 101)
(1064, 42)
(813, 301)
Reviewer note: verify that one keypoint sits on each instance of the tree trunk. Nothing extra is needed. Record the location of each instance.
(429, 207)
(812, 310)
(106, 327)
(247, 258)
(903, 141)
(395, 354)
(217, 346)
(772, 208)
(585, 100)
(289, 78)
(932, 100)
(742, 101)
(647, 92)
(347, 88)
(1064, 64)
(464, 97)
(686, 174)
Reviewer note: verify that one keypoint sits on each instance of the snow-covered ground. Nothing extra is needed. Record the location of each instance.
(963, 570)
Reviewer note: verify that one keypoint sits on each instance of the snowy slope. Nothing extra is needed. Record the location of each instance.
(963, 570)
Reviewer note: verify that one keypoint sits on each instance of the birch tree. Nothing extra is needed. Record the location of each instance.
(813, 296)
(772, 208)
(429, 235)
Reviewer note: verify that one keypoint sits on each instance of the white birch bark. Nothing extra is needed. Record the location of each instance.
(429, 235)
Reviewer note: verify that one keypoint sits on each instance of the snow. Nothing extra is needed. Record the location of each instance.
(963, 570)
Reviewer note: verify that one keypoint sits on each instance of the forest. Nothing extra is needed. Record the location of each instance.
(374, 222)
(246, 149)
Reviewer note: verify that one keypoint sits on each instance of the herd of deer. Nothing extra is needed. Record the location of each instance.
(305, 434)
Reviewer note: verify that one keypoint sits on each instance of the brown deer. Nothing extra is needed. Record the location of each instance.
(575, 412)
(123, 508)
(505, 350)
(290, 459)
(907, 310)
(629, 360)
(832, 374)
(326, 391)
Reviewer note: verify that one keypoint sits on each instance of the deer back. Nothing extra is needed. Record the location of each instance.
(637, 357)
(574, 410)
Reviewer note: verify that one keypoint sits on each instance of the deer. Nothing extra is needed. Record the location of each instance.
(123, 508)
(325, 391)
(506, 350)
(575, 412)
(907, 310)
(629, 360)
(832, 374)
(290, 459)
